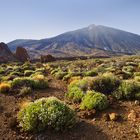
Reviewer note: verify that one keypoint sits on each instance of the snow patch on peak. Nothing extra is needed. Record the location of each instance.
(105, 48)
(90, 27)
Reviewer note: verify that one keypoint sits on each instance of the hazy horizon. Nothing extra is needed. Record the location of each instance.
(32, 19)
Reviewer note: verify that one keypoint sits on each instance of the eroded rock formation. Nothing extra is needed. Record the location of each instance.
(47, 58)
(21, 54)
(5, 54)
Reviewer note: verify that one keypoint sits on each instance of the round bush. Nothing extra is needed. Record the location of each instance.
(8, 77)
(19, 82)
(75, 94)
(37, 82)
(2, 71)
(77, 88)
(128, 68)
(5, 87)
(46, 113)
(106, 83)
(59, 75)
(28, 72)
(91, 73)
(67, 77)
(94, 100)
(25, 90)
(15, 73)
(127, 75)
(129, 89)
(40, 82)
(41, 70)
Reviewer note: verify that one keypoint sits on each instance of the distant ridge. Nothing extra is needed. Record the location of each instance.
(91, 40)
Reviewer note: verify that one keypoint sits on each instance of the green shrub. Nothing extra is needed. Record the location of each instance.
(77, 73)
(106, 83)
(91, 73)
(41, 84)
(46, 113)
(55, 71)
(2, 71)
(41, 70)
(72, 74)
(136, 73)
(111, 69)
(94, 100)
(75, 94)
(9, 68)
(131, 64)
(15, 73)
(137, 78)
(5, 87)
(25, 91)
(67, 77)
(59, 75)
(28, 72)
(101, 69)
(35, 74)
(127, 75)
(27, 66)
(38, 82)
(129, 89)
(8, 77)
(82, 84)
(19, 82)
(128, 69)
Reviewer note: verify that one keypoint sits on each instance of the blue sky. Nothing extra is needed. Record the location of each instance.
(37, 19)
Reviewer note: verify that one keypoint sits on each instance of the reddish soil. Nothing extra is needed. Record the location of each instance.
(93, 128)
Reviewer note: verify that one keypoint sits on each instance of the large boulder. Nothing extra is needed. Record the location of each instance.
(21, 54)
(47, 58)
(5, 54)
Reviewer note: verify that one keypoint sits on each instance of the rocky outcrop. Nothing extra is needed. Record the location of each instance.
(47, 58)
(5, 54)
(21, 54)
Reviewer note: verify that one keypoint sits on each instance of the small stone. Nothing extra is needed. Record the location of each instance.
(105, 117)
(132, 115)
(113, 116)
(137, 102)
(93, 120)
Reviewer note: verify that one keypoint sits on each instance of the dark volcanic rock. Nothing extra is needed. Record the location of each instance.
(21, 54)
(47, 58)
(5, 54)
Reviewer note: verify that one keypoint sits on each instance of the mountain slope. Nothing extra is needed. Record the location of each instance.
(87, 41)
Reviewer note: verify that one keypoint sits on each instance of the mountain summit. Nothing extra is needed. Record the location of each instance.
(92, 40)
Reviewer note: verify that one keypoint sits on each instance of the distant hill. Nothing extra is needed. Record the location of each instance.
(92, 40)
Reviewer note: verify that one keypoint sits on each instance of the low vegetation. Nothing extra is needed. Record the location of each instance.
(5, 87)
(94, 100)
(46, 113)
(88, 86)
